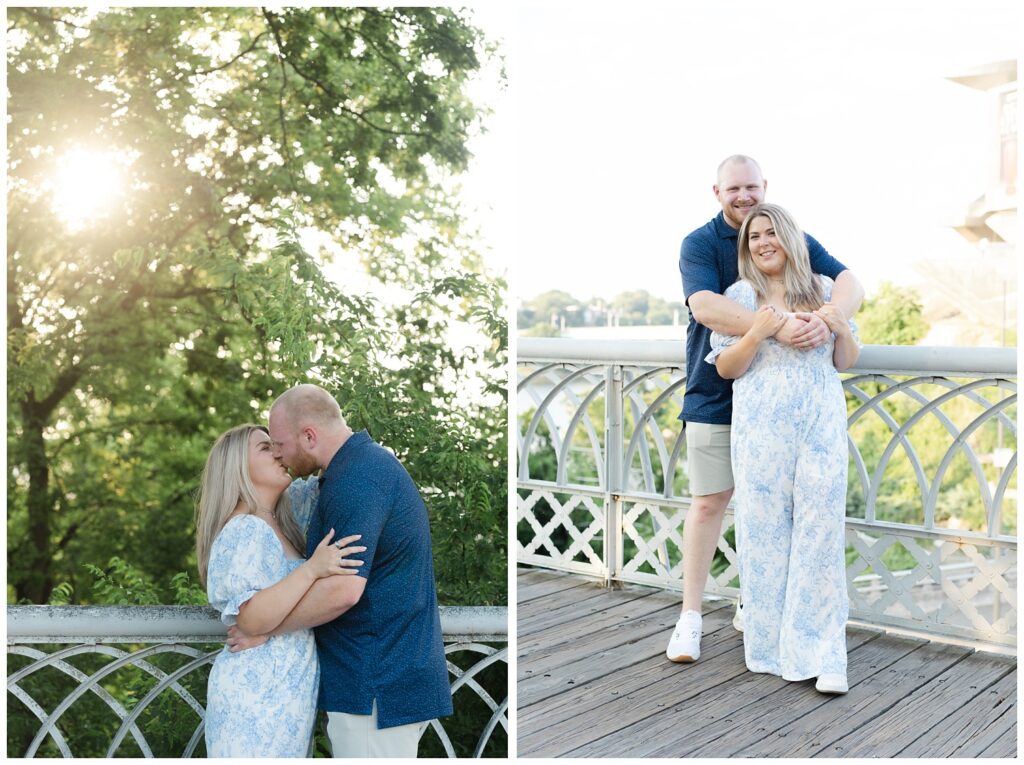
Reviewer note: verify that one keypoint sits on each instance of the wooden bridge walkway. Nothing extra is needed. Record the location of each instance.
(593, 681)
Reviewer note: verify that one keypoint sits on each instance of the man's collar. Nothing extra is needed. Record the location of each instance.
(723, 229)
(345, 449)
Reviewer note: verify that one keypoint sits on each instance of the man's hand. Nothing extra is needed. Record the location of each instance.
(239, 641)
(804, 331)
(833, 316)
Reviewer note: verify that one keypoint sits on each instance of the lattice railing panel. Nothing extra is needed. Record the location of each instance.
(561, 530)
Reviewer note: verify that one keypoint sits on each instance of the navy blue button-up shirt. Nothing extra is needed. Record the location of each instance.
(708, 261)
(388, 646)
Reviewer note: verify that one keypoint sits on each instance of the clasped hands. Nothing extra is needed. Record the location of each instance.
(803, 330)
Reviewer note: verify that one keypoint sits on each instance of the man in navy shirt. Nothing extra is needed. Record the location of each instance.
(383, 673)
(708, 265)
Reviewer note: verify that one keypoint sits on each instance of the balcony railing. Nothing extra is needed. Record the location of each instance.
(931, 507)
(103, 631)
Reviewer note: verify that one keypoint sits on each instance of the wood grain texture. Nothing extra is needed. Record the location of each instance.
(594, 682)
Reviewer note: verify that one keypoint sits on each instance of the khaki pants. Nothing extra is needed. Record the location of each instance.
(359, 736)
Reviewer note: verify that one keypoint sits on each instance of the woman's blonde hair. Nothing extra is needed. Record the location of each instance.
(225, 483)
(803, 290)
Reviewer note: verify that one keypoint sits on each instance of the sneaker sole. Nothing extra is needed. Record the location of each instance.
(682, 659)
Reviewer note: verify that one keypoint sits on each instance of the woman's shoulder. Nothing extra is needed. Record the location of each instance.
(826, 285)
(243, 526)
(741, 291)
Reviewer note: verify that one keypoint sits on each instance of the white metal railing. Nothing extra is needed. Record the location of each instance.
(98, 630)
(932, 435)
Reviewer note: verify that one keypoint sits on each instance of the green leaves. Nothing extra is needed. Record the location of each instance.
(190, 304)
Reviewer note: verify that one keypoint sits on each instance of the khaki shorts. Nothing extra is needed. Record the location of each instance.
(709, 461)
(358, 736)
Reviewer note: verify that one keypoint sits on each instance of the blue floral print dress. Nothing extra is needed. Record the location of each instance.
(789, 459)
(260, 702)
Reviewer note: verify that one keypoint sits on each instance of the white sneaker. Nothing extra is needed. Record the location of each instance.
(737, 620)
(834, 683)
(685, 642)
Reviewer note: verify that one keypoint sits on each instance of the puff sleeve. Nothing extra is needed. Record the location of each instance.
(741, 292)
(246, 558)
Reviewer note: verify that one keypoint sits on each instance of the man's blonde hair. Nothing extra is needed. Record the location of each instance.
(309, 404)
(736, 159)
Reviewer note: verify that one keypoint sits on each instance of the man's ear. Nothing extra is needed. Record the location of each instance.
(309, 434)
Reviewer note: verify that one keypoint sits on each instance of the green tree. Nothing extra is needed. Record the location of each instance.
(556, 303)
(893, 316)
(139, 334)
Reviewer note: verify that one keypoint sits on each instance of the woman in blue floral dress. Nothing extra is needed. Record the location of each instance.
(789, 455)
(261, 702)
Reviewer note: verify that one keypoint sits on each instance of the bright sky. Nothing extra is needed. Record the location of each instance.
(622, 116)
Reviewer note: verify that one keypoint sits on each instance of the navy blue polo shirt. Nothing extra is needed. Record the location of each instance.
(708, 261)
(388, 646)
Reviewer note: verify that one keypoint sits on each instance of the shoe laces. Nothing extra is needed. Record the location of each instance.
(692, 631)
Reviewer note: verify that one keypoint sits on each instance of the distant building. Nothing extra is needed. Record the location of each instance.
(977, 305)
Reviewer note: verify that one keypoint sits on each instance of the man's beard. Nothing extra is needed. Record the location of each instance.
(305, 464)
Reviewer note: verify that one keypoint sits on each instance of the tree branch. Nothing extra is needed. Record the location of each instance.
(330, 91)
(232, 61)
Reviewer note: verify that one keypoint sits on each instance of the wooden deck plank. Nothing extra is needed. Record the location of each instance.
(1004, 746)
(621, 608)
(576, 717)
(595, 684)
(609, 651)
(546, 583)
(887, 735)
(970, 729)
(563, 611)
(729, 714)
(817, 731)
(1000, 739)
(650, 666)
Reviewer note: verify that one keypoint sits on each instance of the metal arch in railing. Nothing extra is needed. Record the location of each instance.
(56, 661)
(543, 413)
(154, 693)
(125, 659)
(40, 714)
(961, 441)
(582, 413)
(642, 419)
(524, 442)
(63, 624)
(874, 404)
(928, 406)
(931, 407)
(994, 524)
(466, 677)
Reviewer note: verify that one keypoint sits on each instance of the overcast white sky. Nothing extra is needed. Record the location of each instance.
(618, 116)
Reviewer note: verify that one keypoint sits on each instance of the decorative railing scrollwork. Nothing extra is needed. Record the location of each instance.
(89, 635)
(931, 507)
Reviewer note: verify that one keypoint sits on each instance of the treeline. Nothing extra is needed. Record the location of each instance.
(551, 311)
